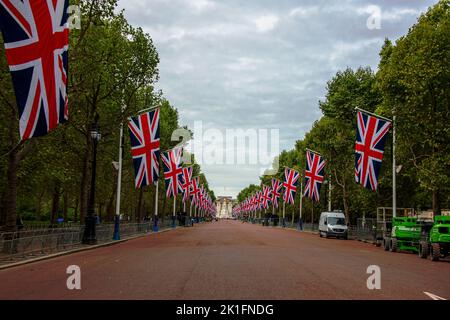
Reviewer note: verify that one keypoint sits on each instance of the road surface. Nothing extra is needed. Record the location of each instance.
(230, 260)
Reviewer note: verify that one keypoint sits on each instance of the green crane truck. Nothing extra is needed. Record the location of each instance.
(403, 234)
(435, 239)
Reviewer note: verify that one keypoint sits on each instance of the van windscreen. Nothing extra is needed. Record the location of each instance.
(336, 221)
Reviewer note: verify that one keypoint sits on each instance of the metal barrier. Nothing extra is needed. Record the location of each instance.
(359, 232)
(38, 242)
(366, 230)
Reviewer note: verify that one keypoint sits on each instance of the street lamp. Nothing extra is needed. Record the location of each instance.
(89, 236)
(328, 183)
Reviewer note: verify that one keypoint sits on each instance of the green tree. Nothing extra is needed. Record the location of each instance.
(414, 77)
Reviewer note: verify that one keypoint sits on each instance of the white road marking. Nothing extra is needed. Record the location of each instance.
(433, 296)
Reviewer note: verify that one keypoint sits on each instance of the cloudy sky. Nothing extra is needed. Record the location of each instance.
(261, 64)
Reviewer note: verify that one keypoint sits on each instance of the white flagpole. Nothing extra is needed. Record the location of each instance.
(156, 198)
(155, 223)
(293, 215)
(301, 200)
(394, 171)
(174, 211)
(329, 195)
(119, 187)
(284, 211)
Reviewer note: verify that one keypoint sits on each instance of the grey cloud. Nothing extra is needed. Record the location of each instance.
(261, 63)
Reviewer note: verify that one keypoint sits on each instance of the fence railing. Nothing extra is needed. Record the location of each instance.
(362, 231)
(38, 242)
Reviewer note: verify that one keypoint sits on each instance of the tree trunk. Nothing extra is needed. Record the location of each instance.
(100, 210)
(343, 185)
(55, 203)
(345, 201)
(436, 203)
(66, 206)
(164, 205)
(111, 202)
(75, 212)
(10, 196)
(84, 186)
(139, 206)
(39, 205)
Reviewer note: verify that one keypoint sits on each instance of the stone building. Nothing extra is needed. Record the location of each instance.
(224, 206)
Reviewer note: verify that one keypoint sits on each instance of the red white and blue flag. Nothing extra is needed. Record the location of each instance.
(171, 161)
(369, 148)
(202, 197)
(260, 200)
(290, 185)
(144, 135)
(266, 197)
(314, 173)
(186, 182)
(195, 191)
(36, 36)
(276, 191)
(254, 202)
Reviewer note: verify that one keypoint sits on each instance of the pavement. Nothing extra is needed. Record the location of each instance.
(230, 260)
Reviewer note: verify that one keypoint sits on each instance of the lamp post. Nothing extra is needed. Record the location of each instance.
(89, 236)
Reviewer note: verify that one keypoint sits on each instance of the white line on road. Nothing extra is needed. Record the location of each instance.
(433, 296)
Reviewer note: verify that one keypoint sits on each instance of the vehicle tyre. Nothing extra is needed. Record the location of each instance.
(435, 253)
(386, 244)
(326, 235)
(393, 245)
(320, 234)
(423, 250)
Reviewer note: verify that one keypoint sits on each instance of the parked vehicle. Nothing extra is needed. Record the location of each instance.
(404, 236)
(333, 224)
(435, 239)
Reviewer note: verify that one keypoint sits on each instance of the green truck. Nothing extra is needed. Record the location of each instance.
(435, 239)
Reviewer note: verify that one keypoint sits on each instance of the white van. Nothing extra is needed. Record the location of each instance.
(333, 224)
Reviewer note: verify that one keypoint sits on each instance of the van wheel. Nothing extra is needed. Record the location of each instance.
(435, 252)
(320, 234)
(423, 250)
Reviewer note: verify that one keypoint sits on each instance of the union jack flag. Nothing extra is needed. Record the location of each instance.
(290, 185)
(266, 197)
(369, 148)
(201, 197)
(36, 35)
(186, 182)
(172, 171)
(276, 193)
(259, 197)
(195, 190)
(260, 200)
(144, 135)
(254, 202)
(315, 169)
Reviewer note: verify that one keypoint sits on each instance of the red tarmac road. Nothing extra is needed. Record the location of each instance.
(230, 260)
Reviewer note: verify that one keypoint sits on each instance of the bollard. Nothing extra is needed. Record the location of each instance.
(155, 224)
(116, 235)
(174, 223)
